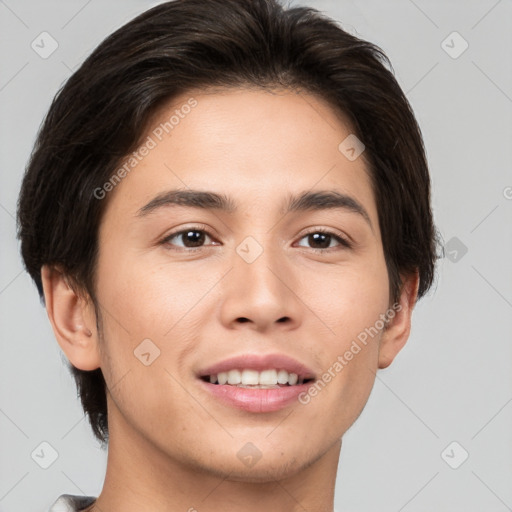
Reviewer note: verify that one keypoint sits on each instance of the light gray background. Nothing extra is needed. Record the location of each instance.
(453, 380)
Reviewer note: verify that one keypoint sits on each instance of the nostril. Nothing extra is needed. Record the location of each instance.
(243, 319)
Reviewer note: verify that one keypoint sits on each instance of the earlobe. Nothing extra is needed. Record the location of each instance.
(399, 326)
(72, 318)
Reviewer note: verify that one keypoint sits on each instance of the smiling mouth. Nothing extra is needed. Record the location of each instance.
(253, 379)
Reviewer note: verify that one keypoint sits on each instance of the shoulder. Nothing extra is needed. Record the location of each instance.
(71, 503)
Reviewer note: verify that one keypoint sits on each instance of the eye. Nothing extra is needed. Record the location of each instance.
(196, 237)
(323, 239)
(190, 238)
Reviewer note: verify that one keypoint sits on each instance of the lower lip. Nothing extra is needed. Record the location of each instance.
(256, 400)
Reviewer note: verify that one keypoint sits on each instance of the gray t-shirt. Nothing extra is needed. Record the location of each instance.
(71, 503)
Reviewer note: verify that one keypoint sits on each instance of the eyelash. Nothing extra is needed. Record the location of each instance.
(343, 242)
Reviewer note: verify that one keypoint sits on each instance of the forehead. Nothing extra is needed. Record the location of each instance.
(254, 145)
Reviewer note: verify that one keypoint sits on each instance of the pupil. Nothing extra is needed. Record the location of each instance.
(195, 237)
(320, 238)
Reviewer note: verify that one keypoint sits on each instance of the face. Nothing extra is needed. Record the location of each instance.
(186, 283)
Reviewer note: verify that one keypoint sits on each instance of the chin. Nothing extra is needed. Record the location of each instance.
(274, 466)
(266, 472)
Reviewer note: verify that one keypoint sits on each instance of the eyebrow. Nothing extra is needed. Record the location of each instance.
(306, 201)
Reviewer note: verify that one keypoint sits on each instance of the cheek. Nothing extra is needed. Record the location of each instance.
(348, 299)
(148, 299)
(151, 307)
(144, 310)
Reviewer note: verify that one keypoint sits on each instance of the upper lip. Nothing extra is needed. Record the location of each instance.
(259, 362)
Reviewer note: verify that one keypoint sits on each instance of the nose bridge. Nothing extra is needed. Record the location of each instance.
(260, 287)
(259, 261)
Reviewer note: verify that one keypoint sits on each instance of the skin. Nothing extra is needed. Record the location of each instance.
(172, 446)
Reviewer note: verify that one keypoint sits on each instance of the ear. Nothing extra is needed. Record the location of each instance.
(73, 319)
(398, 328)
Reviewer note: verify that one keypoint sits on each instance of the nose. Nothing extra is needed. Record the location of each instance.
(261, 294)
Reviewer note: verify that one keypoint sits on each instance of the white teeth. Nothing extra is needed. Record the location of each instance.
(268, 377)
(249, 378)
(282, 377)
(234, 377)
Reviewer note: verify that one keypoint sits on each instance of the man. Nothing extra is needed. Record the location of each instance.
(227, 213)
